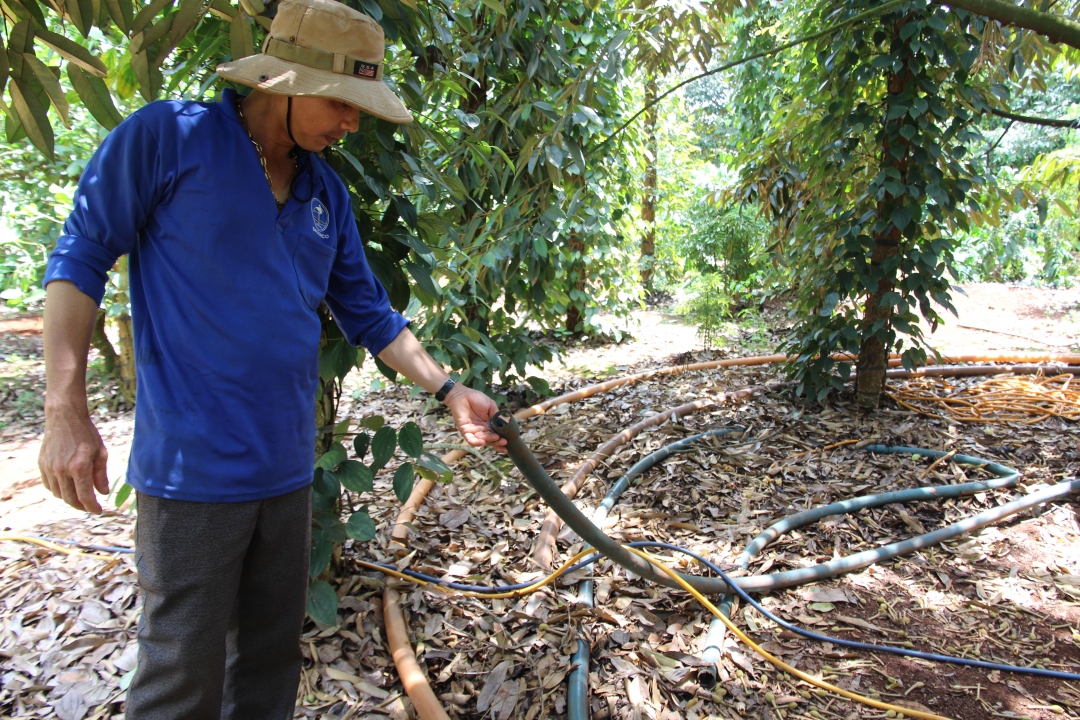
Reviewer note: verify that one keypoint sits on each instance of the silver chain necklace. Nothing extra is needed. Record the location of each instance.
(259, 150)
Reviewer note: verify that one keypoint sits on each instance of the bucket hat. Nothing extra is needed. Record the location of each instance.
(322, 48)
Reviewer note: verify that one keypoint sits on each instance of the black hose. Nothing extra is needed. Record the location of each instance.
(504, 425)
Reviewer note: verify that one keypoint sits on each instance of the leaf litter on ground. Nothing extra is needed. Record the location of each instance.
(1007, 594)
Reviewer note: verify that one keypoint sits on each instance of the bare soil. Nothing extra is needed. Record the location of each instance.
(1008, 594)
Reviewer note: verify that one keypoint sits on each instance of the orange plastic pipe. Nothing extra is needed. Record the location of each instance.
(412, 677)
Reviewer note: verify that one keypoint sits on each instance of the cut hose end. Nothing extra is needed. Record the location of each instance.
(504, 425)
(707, 677)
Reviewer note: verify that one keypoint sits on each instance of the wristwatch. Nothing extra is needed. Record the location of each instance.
(445, 389)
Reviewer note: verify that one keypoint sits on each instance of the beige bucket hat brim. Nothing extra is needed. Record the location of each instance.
(282, 77)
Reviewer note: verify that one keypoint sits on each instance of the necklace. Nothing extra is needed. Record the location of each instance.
(259, 150)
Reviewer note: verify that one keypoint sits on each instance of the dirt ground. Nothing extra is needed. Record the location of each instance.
(1009, 594)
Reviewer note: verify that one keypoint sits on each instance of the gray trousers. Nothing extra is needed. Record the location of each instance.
(224, 588)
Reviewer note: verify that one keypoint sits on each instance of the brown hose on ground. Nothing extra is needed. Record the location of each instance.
(417, 688)
(412, 677)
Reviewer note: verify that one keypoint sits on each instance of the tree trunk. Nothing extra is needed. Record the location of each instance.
(648, 201)
(125, 339)
(326, 407)
(326, 403)
(873, 351)
(577, 274)
(101, 343)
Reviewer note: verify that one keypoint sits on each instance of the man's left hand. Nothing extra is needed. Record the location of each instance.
(471, 410)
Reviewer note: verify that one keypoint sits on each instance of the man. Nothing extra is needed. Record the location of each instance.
(237, 232)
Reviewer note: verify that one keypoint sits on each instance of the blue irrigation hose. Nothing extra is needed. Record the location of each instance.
(1073, 486)
(85, 546)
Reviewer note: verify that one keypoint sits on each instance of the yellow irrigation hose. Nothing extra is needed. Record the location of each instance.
(775, 660)
(520, 592)
(51, 546)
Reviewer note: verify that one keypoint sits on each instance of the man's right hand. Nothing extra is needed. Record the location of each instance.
(73, 460)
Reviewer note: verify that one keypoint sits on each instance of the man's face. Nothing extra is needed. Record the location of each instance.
(318, 122)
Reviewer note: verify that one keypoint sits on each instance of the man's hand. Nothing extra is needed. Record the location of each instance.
(73, 459)
(472, 410)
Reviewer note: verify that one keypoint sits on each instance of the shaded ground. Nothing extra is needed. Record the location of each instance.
(1009, 594)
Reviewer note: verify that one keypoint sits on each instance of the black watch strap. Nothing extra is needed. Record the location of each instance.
(445, 389)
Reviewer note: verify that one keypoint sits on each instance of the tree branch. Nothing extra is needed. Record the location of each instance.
(1056, 28)
(1047, 122)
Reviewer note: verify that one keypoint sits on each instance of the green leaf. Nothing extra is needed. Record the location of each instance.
(187, 15)
(355, 476)
(21, 38)
(13, 129)
(373, 422)
(3, 67)
(382, 447)
(332, 457)
(351, 158)
(343, 358)
(423, 278)
(74, 53)
(322, 603)
(901, 217)
(539, 385)
(479, 348)
(360, 445)
(240, 40)
(52, 86)
(495, 5)
(403, 481)
(417, 245)
(333, 527)
(411, 440)
(26, 11)
(147, 14)
(342, 428)
(321, 550)
(147, 76)
(360, 526)
(33, 117)
(122, 494)
(142, 42)
(121, 13)
(385, 369)
(325, 482)
(82, 15)
(437, 466)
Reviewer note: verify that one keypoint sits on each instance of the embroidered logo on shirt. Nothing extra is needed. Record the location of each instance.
(320, 216)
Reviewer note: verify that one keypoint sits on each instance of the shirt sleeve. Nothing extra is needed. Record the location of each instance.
(356, 298)
(117, 194)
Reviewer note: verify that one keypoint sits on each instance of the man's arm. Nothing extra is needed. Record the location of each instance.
(471, 409)
(73, 458)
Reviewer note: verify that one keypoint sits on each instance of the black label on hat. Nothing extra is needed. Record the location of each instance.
(364, 69)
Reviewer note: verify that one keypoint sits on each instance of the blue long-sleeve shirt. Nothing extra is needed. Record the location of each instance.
(224, 291)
